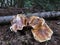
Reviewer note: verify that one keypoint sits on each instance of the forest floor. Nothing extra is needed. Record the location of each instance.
(10, 38)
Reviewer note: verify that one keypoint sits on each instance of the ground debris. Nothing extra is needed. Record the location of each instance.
(10, 38)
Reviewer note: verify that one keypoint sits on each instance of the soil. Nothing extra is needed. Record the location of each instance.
(25, 37)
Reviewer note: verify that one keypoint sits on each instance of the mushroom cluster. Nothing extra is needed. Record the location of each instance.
(40, 31)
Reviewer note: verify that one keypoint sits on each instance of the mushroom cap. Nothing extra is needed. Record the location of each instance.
(35, 21)
(18, 22)
(42, 33)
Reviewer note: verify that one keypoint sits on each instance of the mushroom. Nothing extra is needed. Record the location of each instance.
(35, 20)
(18, 22)
(41, 31)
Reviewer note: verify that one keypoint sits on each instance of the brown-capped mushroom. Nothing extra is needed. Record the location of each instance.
(35, 20)
(42, 32)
